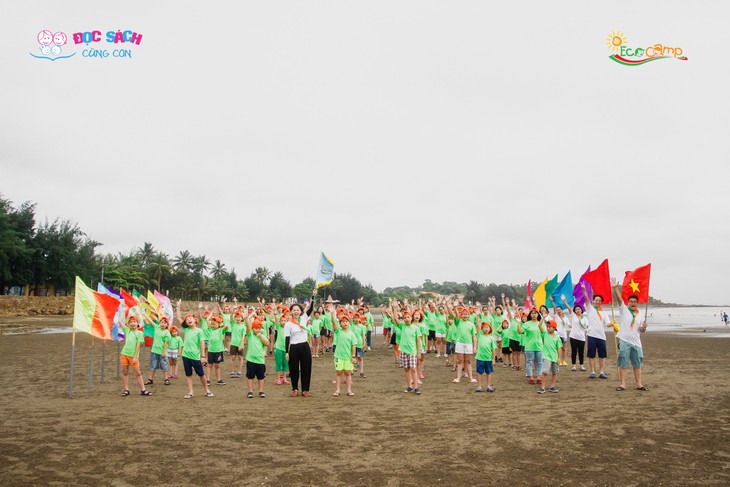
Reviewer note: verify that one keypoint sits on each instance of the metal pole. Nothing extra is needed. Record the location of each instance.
(103, 359)
(118, 357)
(91, 364)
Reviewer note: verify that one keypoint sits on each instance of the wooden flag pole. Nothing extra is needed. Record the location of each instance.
(91, 363)
(119, 358)
(103, 359)
(71, 373)
(615, 340)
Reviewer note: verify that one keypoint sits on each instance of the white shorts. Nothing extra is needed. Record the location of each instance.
(466, 348)
(440, 335)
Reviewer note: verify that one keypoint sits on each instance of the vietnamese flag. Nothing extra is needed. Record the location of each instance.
(636, 282)
(600, 279)
(94, 312)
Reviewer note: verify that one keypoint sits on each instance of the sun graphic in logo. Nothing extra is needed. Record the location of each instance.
(615, 40)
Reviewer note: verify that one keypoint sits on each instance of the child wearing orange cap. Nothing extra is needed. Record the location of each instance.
(216, 346)
(486, 346)
(238, 328)
(420, 321)
(465, 338)
(345, 347)
(410, 346)
(551, 344)
(173, 350)
(193, 352)
(158, 352)
(129, 357)
(281, 363)
(359, 328)
(256, 355)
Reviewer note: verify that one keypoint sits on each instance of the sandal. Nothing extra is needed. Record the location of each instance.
(149, 382)
(336, 394)
(187, 396)
(167, 382)
(145, 393)
(125, 392)
(642, 388)
(456, 381)
(350, 393)
(305, 394)
(209, 394)
(294, 393)
(620, 388)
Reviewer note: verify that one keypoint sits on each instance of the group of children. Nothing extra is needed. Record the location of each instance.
(491, 334)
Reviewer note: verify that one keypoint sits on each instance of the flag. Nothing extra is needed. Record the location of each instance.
(529, 294)
(637, 282)
(152, 300)
(166, 306)
(564, 288)
(550, 288)
(600, 279)
(129, 301)
(540, 294)
(325, 271)
(93, 312)
(119, 315)
(578, 296)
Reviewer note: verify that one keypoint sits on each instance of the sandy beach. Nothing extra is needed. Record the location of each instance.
(587, 434)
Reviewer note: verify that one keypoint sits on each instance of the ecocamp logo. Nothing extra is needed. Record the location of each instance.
(623, 53)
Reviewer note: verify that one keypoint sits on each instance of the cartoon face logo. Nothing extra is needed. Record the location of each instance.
(45, 37)
(59, 38)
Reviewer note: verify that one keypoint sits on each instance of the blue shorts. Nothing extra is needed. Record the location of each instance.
(359, 353)
(158, 362)
(485, 366)
(255, 370)
(189, 365)
(596, 345)
(629, 353)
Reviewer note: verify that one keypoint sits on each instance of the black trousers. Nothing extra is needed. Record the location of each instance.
(576, 348)
(300, 357)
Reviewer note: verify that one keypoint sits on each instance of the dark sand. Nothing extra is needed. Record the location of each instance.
(588, 434)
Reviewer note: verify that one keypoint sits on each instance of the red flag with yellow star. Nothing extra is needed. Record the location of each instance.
(637, 282)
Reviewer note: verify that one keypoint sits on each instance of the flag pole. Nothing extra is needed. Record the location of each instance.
(118, 356)
(103, 359)
(91, 364)
(71, 374)
(615, 340)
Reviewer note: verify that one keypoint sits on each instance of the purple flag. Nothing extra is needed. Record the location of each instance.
(580, 300)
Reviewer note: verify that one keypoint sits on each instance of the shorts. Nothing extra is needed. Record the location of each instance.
(189, 365)
(515, 346)
(228, 334)
(449, 348)
(385, 331)
(282, 364)
(629, 353)
(465, 348)
(172, 354)
(548, 366)
(485, 366)
(408, 361)
(316, 333)
(431, 334)
(235, 352)
(393, 339)
(158, 362)
(255, 371)
(564, 340)
(326, 333)
(127, 360)
(215, 357)
(440, 335)
(359, 353)
(343, 364)
(506, 351)
(596, 345)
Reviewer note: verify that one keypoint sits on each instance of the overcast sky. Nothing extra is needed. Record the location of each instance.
(409, 140)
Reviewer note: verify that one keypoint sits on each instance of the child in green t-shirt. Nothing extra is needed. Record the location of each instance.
(551, 344)
(129, 357)
(174, 350)
(344, 342)
(486, 345)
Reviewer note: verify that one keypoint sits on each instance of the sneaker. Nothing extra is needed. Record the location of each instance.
(499, 359)
(262, 395)
(209, 394)
(410, 389)
(417, 391)
(490, 389)
(573, 368)
(592, 375)
(602, 376)
(232, 375)
(208, 382)
(504, 365)
(249, 395)
(221, 382)
(369, 349)
(478, 389)
(239, 375)
(553, 390)
(583, 369)
(541, 391)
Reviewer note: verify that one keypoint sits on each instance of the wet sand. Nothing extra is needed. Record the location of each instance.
(587, 434)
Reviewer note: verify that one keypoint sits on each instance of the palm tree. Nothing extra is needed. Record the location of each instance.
(160, 266)
(183, 261)
(219, 268)
(145, 253)
(200, 264)
(262, 275)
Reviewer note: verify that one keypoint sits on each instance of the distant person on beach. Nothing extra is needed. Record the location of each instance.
(598, 320)
(632, 323)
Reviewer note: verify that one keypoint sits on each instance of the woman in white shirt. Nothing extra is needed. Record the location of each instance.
(578, 327)
(297, 348)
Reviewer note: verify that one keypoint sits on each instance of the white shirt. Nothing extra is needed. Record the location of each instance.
(597, 322)
(626, 333)
(563, 323)
(297, 334)
(578, 327)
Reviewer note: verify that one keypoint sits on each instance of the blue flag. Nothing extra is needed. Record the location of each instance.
(564, 288)
(325, 271)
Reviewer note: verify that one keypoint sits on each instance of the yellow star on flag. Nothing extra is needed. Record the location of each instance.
(634, 286)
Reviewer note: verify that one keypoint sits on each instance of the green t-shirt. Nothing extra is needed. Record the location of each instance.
(465, 331)
(280, 343)
(371, 320)
(205, 328)
(226, 319)
(431, 320)
(358, 330)
(327, 320)
(552, 344)
(485, 347)
(387, 323)
(237, 331)
(344, 341)
(440, 323)
(450, 331)
(217, 335)
(424, 329)
(256, 350)
(191, 343)
(175, 343)
(131, 339)
(317, 326)
(408, 335)
(513, 334)
(531, 338)
(161, 337)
